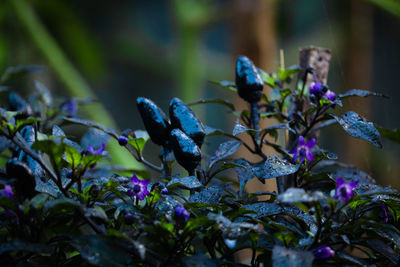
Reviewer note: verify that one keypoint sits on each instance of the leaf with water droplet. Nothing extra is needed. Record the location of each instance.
(210, 195)
(274, 167)
(362, 93)
(188, 182)
(359, 127)
(225, 150)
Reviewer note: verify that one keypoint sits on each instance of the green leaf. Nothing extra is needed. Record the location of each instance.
(227, 85)
(284, 74)
(141, 138)
(267, 78)
(358, 127)
(215, 101)
(392, 135)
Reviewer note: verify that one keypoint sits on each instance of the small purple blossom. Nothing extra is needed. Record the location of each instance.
(323, 253)
(181, 214)
(330, 95)
(122, 140)
(316, 88)
(303, 151)
(344, 191)
(7, 192)
(138, 188)
(99, 151)
(10, 214)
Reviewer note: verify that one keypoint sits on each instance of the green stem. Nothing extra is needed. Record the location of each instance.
(74, 82)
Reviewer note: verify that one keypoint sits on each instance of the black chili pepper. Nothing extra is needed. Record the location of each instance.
(183, 117)
(155, 121)
(186, 152)
(248, 80)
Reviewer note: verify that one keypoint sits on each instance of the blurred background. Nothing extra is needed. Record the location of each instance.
(117, 51)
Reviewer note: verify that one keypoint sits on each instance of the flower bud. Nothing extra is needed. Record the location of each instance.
(155, 121)
(183, 117)
(248, 80)
(122, 140)
(181, 214)
(186, 152)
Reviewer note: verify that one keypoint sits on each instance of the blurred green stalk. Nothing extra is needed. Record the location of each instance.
(75, 84)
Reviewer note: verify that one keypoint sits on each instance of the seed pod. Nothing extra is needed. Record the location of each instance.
(154, 119)
(183, 117)
(186, 152)
(24, 179)
(248, 80)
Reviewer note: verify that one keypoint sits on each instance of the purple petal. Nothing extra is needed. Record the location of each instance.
(145, 192)
(309, 156)
(302, 158)
(145, 183)
(301, 141)
(311, 143)
(294, 150)
(140, 196)
(134, 179)
(90, 149)
(295, 157)
(339, 182)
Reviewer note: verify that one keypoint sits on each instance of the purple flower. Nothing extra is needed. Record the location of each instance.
(99, 151)
(138, 188)
(330, 95)
(70, 107)
(181, 214)
(344, 191)
(316, 88)
(7, 192)
(303, 151)
(122, 140)
(10, 214)
(323, 253)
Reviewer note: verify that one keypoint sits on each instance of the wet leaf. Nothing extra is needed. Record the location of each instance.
(188, 182)
(210, 195)
(284, 74)
(362, 93)
(299, 195)
(225, 150)
(358, 127)
(91, 124)
(13, 73)
(141, 138)
(263, 209)
(244, 173)
(283, 257)
(274, 167)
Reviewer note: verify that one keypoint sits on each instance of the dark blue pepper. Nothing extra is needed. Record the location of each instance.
(155, 121)
(186, 152)
(183, 117)
(248, 80)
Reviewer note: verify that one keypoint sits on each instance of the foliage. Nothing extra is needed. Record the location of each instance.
(61, 203)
